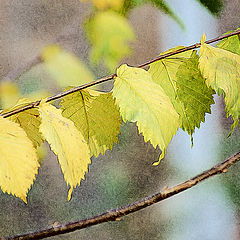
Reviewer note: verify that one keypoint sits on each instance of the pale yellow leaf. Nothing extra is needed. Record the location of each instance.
(29, 120)
(67, 143)
(18, 160)
(221, 69)
(65, 67)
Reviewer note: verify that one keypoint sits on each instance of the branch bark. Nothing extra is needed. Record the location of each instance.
(117, 213)
(111, 77)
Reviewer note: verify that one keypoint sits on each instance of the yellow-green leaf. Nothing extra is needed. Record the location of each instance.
(193, 94)
(164, 73)
(67, 143)
(96, 116)
(221, 69)
(18, 160)
(231, 44)
(109, 34)
(143, 101)
(65, 67)
(29, 120)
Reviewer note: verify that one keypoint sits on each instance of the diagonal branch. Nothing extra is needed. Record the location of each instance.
(117, 213)
(111, 77)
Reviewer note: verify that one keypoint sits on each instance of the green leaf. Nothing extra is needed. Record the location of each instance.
(164, 7)
(175, 83)
(160, 4)
(67, 143)
(29, 120)
(214, 6)
(96, 116)
(145, 102)
(109, 34)
(231, 44)
(221, 69)
(194, 95)
(65, 67)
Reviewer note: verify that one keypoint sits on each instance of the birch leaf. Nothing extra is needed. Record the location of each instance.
(18, 160)
(143, 101)
(231, 44)
(67, 143)
(183, 85)
(96, 116)
(29, 120)
(193, 94)
(221, 69)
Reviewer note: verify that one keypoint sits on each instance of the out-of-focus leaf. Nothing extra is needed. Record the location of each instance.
(65, 68)
(9, 94)
(160, 4)
(109, 34)
(105, 4)
(214, 6)
(18, 160)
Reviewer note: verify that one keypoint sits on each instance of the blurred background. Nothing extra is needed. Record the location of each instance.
(92, 38)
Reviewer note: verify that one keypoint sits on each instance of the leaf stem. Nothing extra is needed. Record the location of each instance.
(109, 77)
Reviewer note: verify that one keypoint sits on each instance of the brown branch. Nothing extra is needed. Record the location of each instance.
(110, 77)
(117, 213)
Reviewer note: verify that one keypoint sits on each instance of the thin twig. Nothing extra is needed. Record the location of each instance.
(117, 213)
(110, 77)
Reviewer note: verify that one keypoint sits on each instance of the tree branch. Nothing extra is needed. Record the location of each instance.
(117, 213)
(110, 77)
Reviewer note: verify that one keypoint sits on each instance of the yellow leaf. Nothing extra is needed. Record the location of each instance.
(18, 160)
(96, 116)
(143, 101)
(29, 120)
(9, 94)
(221, 69)
(109, 34)
(65, 68)
(203, 39)
(67, 143)
(103, 4)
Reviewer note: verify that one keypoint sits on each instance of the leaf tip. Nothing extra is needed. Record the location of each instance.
(203, 39)
(159, 159)
(24, 198)
(70, 193)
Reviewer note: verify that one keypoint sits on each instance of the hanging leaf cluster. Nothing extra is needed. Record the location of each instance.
(176, 92)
